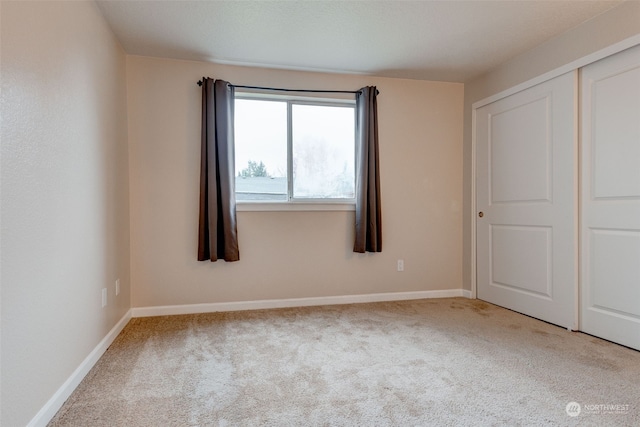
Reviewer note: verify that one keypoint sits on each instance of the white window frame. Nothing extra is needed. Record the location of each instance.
(293, 204)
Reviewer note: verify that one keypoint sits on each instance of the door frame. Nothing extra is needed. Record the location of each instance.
(571, 66)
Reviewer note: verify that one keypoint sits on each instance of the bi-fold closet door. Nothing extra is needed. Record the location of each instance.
(558, 200)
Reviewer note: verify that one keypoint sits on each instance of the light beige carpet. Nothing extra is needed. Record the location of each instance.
(447, 362)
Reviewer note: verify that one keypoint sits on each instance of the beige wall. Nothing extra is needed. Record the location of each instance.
(291, 254)
(613, 26)
(64, 201)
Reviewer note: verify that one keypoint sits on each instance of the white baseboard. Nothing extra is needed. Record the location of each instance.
(167, 310)
(466, 293)
(49, 410)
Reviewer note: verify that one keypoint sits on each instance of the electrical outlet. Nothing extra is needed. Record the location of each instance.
(400, 265)
(117, 287)
(104, 297)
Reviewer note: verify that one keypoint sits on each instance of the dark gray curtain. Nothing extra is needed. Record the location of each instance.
(368, 210)
(217, 234)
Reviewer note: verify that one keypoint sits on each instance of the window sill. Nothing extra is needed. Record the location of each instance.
(293, 206)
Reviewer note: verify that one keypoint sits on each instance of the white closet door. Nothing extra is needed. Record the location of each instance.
(610, 199)
(526, 192)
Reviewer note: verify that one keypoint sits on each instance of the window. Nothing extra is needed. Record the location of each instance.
(291, 149)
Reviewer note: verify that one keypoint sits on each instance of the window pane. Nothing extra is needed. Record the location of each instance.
(261, 149)
(323, 152)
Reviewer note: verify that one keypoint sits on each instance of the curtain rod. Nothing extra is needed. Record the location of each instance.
(294, 90)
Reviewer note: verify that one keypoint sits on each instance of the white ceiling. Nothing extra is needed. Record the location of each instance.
(430, 40)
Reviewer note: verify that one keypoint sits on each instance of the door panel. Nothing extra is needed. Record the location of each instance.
(519, 153)
(527, 191)
(521, 259)
(610, 202)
